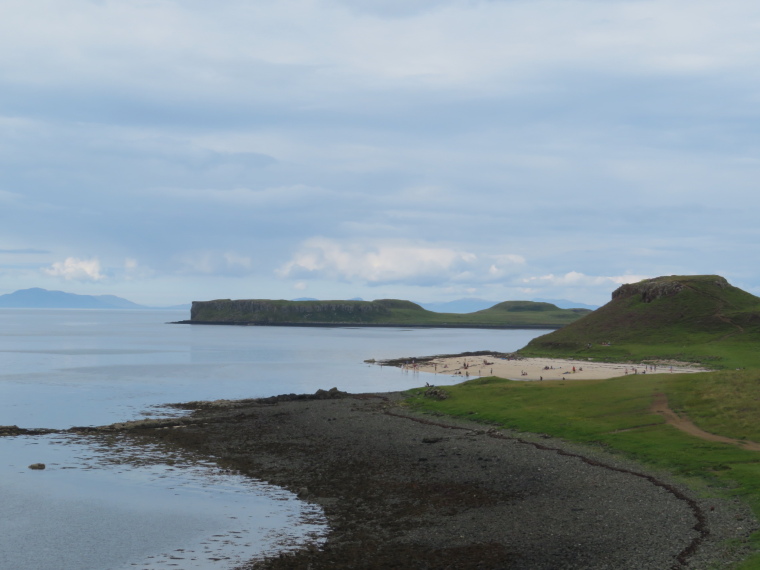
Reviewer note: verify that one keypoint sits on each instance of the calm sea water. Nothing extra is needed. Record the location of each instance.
(109, 505)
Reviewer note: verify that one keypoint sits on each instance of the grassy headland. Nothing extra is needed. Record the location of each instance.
(691, 318)
(386, 312)
(701, 319)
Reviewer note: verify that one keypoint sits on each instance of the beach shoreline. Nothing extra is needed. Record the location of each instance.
(407, 490)
(512, 367)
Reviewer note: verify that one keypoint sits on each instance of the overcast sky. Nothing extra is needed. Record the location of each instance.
(169, 151)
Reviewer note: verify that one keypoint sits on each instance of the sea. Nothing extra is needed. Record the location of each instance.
(107, 503)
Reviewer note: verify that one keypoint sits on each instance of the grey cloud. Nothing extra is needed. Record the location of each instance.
(577, 159)
(27, 251)
(394, 8)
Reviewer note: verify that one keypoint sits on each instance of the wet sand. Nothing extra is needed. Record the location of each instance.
(406, 490)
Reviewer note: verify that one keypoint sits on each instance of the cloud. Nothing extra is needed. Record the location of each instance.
(133, 270)
(283, 197)
(576, 279)
(393, 262)
(393, 8)
(10, 197)
(212, 262)
(375, 264)
(74, 269)
(590, 137)
(23, 251)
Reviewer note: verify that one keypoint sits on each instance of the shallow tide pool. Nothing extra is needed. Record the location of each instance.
(109, 504)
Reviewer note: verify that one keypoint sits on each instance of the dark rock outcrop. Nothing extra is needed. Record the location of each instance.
(653, 289)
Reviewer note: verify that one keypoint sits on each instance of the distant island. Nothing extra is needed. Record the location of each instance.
(471, 305)
(380, 313)
(37, 298)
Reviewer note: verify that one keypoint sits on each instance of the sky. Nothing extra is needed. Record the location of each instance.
(169, 151)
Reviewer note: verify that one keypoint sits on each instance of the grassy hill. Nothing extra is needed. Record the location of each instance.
(696, 318)
(385, 312)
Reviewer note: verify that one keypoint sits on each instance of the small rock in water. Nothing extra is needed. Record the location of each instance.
(37, 466)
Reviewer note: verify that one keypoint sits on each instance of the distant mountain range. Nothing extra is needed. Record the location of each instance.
(472, 305)
(36, 298)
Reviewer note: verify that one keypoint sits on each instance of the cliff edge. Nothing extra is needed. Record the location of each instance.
(383, 312)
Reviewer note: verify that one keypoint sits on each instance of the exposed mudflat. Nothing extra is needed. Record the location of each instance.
(403, 490)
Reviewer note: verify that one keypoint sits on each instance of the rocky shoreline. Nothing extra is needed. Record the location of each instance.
(406, 490)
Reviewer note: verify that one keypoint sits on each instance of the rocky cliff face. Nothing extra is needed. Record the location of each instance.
(652, 289)
(284, 311)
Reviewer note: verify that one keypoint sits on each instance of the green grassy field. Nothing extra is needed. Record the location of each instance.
(595, 412)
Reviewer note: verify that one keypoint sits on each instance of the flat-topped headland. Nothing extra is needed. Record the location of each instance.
(380, 313)
(694, 318)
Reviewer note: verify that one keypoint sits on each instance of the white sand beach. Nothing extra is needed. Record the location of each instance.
(543, 368)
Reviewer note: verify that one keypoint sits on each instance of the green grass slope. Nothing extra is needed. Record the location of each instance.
(695, 318)
(385, 312)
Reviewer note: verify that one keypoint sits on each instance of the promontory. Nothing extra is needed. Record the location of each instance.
(380, 313)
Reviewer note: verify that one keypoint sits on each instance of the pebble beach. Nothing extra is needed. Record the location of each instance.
(405, 490)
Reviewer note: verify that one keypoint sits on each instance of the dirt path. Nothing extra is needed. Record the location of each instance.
(660, 406)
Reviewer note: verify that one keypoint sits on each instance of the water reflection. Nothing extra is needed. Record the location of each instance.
(110, 502)
(106, 504)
